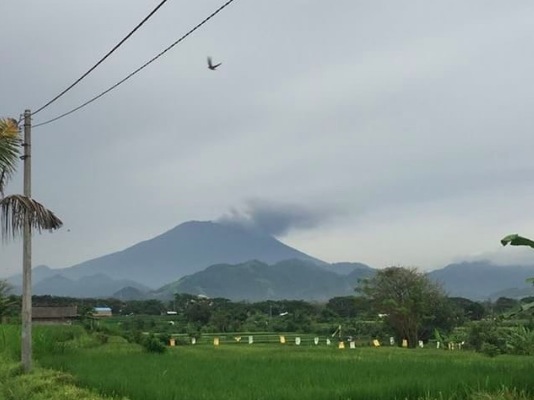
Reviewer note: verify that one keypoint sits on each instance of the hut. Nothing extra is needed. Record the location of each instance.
(54, 315)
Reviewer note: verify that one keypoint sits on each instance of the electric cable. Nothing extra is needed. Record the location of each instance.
(213, 14)
(102, 59)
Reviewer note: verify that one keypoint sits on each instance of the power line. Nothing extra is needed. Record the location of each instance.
(138, 69)
(103, 58)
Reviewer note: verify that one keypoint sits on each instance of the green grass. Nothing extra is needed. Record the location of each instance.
(41, 383)
(290, 372)
(47, 339)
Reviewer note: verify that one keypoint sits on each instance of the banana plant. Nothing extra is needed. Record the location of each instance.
(516, 240)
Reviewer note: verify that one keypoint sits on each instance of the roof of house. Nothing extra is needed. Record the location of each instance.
(54, 312)
(102, 309)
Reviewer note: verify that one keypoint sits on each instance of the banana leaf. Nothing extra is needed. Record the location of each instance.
(516, 240)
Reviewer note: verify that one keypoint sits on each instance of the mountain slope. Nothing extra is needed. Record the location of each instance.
(481, 280)
(255, 281)
(348, 268)
(186, 249)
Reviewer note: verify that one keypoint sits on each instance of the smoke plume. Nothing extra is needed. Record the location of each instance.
(274, 219)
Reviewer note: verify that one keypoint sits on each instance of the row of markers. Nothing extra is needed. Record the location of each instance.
(341, 344)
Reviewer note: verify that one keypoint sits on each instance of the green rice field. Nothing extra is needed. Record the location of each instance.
(287, 372)
(265, 371)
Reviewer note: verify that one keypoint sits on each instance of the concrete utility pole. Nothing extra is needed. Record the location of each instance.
(26, 348)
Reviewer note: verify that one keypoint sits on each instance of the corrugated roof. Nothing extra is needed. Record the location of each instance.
(102, 309)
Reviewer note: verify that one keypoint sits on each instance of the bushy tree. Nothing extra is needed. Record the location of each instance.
(143, 307)
(348, 306)
(152, 344)
(469, 310)
(198, 312)
(5, 300)
(409, 301)
(487, 337)
(505, 304)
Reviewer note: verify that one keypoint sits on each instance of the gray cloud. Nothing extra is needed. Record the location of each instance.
(381, 120)
(275, 218)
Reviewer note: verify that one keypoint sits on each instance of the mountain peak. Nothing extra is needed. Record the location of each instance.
(185, 249)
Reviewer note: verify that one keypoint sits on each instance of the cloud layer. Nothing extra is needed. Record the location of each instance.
(378, 131)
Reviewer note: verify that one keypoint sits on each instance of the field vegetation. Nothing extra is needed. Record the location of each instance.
(245, 371)
(74, 363)
(468, 350)
(42, 383)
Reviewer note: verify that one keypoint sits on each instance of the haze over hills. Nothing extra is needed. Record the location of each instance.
(216, 259)
(48, 281)
(98, 285)
(481, 280)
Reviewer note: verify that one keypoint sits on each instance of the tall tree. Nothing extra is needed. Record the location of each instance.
(16, 209)
(413, 305)
(20, 215)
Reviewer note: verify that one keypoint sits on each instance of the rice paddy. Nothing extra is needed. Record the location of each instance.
(242, 371)
(289, 372)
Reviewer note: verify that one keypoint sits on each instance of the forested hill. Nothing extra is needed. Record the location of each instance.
(255, 281)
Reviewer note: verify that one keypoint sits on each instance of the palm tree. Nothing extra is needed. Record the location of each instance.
(16, 209)
(19, 216)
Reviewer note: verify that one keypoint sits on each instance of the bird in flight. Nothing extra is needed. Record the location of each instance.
(212, 66)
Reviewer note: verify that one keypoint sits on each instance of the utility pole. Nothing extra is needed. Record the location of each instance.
(26, 348)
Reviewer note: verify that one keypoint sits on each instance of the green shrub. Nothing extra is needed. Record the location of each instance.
(40, 384)
(490, 350)
(153, 345)
(484, 333)
(134, 336)
(182, 341)
(102, 338)
(164, 338)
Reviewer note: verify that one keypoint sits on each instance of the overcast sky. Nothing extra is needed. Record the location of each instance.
(383, 132)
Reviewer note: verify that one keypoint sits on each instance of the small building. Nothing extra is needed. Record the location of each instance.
(54, 315)
(102, 312)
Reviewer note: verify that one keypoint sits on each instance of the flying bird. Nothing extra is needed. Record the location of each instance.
(212, 66)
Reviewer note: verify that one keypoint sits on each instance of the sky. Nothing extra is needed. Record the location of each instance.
(388, 133)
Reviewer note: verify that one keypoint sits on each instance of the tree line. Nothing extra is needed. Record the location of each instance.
(397, 301)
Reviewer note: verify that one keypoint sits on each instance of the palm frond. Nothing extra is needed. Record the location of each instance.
(16, 209)
(9, 150)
